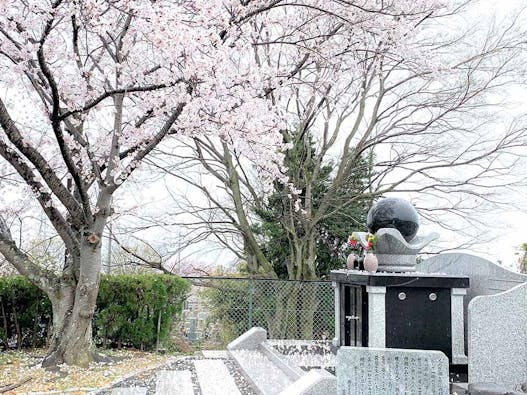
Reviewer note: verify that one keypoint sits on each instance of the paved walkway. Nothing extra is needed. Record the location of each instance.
(215, 373)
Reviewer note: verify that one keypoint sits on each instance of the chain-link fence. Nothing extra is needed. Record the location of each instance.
(220, 309)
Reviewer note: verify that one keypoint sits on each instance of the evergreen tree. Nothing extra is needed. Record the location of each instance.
(286, 213)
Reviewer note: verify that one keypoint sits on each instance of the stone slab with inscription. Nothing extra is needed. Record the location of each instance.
(391, 371)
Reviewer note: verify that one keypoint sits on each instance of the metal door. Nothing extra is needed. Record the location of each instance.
(419, 318)
(353, 316)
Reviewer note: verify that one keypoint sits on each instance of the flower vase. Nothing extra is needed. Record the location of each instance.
(350, 262)
(371, 263)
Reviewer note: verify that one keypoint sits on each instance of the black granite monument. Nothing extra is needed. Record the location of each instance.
(398, 307)
(394, 213)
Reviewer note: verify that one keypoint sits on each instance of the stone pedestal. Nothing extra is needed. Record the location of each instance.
(400, 310)
(394, 253)
(458, 327)
(376, 314)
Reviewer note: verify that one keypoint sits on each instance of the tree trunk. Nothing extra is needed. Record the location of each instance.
(523, 263)
(73, 308)
(303, 264)
(36, 321)
(17, 326)
(5, 326)
(277, 322)
(307, 305)
(257, 261)
(303, 257)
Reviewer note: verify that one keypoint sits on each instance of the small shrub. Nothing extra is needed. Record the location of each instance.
(132, 310)
(138, 310)
(25, 313)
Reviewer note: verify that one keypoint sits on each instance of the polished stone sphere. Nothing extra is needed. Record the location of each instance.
(394, 213)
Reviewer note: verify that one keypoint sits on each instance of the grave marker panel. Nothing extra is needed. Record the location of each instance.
(391, 371)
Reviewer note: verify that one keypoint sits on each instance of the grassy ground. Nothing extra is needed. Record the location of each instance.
(19, 366)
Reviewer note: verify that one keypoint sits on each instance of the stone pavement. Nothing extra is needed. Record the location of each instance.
(214, 373)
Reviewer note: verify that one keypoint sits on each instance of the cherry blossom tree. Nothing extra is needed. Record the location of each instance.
(90, 88)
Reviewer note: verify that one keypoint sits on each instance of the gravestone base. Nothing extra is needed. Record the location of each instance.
(401, 310)
(491, 389)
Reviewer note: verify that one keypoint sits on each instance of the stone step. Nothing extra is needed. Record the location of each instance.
(271, 372)
(174, 382)
(214, 378)
(262, 371)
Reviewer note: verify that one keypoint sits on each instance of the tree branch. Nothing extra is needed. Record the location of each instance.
(42, 278)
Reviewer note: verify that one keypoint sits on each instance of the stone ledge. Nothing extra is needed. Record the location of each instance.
(271, 373)
(250, 340)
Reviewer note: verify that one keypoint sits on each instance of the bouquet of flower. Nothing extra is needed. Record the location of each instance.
(353, 258)
(370, 260)
(372, 242)
(371, 263)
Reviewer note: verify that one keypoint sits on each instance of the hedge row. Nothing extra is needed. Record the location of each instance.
(132, 310)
